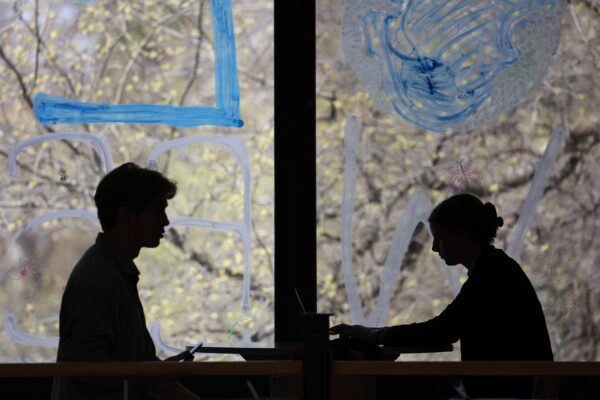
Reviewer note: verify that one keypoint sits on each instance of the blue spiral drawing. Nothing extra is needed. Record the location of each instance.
(439, 60)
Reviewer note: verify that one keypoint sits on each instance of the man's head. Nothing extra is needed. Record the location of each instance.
(133, 200)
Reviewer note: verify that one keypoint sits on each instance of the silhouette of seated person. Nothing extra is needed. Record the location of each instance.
(101, 316)
(496, 315)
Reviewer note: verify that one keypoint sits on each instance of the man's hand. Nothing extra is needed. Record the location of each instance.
(355, 331)
(183, 356)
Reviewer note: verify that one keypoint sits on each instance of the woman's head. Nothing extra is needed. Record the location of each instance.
(461, 224)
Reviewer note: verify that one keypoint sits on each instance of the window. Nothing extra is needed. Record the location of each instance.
(372, 165)
(212, 277)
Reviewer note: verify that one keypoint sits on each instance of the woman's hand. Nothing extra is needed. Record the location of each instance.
(356, 332)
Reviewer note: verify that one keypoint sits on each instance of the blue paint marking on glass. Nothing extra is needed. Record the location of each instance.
(50, 110)
(441, 57)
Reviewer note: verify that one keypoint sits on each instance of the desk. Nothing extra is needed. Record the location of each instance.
(285, 350)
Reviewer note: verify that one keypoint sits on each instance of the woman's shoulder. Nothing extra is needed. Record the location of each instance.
(496, 256)
(505, 272)
(499, 266)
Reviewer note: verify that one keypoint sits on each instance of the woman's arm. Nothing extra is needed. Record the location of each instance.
(443, 329)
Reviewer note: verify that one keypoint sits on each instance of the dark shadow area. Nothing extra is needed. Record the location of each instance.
(387, 387)
(227, 387)
(579, 387)
(25, 388)
(208, 387)
(441, 387)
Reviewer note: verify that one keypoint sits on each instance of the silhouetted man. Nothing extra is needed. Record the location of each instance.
(101, 316)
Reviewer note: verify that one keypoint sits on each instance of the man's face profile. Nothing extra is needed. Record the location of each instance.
(146, 226)
(151, 223)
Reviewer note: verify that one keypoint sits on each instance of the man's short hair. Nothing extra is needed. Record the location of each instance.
(130, 186)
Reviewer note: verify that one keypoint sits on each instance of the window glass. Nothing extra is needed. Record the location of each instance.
(185, 87)
(380, 173)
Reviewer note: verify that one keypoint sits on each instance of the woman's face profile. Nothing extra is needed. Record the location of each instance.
(451, 244)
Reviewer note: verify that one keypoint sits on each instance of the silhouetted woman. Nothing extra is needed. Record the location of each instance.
(496, 315)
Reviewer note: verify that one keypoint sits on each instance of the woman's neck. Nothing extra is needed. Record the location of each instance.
(471, 258)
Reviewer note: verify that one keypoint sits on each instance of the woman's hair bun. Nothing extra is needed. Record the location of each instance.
(493, 216)
(467, 211)
(490, 209)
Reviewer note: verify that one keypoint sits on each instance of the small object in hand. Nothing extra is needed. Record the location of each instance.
(193, 350)
(196, 347)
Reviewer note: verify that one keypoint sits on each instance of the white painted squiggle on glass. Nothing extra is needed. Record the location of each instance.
(535, 194)
(18, 336)
(236, 227)
(243, 233)
(417, 211)
(10, 320)
(91, 215)
(101, 147)
(243, 229)
(159, 342)
(450, 64)
(98, 143)
(234, 144)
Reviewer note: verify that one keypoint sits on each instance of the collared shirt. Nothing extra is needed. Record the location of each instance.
(101, 316)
